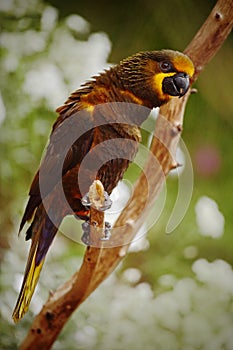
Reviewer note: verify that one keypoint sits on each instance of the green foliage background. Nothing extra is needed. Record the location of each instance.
(130, 27)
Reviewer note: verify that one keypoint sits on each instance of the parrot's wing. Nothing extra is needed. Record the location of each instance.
(70, 140)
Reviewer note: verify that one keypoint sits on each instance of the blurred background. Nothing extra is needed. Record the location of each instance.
(170, 287)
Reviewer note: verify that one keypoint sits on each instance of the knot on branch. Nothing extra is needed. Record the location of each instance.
(218, 16)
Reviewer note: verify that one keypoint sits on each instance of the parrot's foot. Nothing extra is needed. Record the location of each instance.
(107, 201)
(86, 232)
(87, 229)
(107, 231)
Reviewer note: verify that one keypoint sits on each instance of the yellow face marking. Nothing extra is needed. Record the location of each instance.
(158, 87)
(183, 64)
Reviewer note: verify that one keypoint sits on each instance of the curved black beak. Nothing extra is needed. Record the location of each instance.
(176, 85)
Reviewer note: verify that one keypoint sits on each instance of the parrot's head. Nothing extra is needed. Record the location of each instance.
(157, 76)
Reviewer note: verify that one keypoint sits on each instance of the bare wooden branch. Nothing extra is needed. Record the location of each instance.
(98, 263)
(211, 35)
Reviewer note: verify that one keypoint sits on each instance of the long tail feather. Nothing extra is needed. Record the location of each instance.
(27, 290)
(42, 232)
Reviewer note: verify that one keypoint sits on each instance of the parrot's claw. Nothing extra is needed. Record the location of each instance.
(107, 232)
(86, 239)
(86, 232)
(107, 201)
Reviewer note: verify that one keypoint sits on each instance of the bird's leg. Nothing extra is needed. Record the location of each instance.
(86, 226)
(86, 233)
(96, 201)
(107, 201)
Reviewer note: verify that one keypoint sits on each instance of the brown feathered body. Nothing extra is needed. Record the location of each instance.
(95, 137)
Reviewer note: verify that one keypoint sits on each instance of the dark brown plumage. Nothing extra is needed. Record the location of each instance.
(95, 137)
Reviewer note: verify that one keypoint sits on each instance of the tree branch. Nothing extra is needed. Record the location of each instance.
(98, 263)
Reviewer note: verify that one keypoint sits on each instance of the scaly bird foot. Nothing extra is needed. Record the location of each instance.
(86, 237)
(107, 232)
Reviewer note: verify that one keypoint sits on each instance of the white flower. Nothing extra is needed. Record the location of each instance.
(79, 60)
(20, 7)
(45, 82)
(218, 273)
(132, 275)
(23, 43)
(49, 18)
(78, 23)
(209, 219)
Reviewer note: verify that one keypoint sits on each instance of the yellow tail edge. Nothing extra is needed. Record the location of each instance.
(27, 289)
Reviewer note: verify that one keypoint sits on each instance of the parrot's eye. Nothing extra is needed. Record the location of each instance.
(165, 66)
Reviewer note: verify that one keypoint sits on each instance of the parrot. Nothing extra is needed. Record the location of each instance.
(95, 137)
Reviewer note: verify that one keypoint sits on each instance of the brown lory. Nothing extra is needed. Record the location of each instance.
(95, 137)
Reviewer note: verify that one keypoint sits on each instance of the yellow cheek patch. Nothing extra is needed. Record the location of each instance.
(158, 85)
(184, 64)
